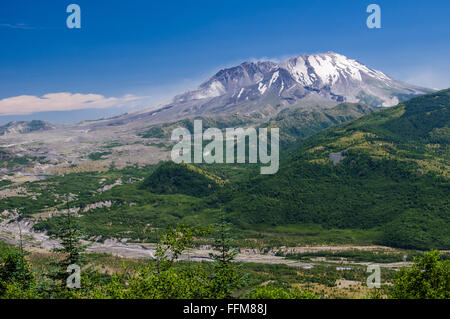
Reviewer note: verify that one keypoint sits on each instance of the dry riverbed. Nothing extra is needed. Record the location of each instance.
(10, 230)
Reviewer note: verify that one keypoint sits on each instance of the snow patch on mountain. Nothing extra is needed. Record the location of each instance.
(317, 80)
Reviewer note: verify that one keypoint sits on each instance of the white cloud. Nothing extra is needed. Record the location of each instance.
(22, 26)
(432, 78)
(64, 101)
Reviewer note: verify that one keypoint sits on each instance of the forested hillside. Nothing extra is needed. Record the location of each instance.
(386, 171)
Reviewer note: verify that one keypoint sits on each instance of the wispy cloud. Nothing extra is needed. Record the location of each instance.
(435, 78)
(22, 26)
(64, 101)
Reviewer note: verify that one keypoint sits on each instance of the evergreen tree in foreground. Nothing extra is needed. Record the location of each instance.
(16, 278)
(226, 276)
(70, 253)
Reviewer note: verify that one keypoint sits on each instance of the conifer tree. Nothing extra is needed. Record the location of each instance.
(15, 269)
(71, 250)
(226, 276)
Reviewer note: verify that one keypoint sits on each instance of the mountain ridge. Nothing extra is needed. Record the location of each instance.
(264, 88)
(22, 127)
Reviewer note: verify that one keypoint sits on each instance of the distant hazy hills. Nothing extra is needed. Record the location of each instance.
(25, 127)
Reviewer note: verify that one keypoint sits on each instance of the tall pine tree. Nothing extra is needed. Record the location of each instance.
(226, 276)
(70, 252)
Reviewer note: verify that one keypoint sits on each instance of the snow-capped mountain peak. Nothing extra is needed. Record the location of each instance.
(338, 77)
(266, 87)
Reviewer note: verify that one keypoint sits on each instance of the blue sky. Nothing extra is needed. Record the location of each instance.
(155, 49)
